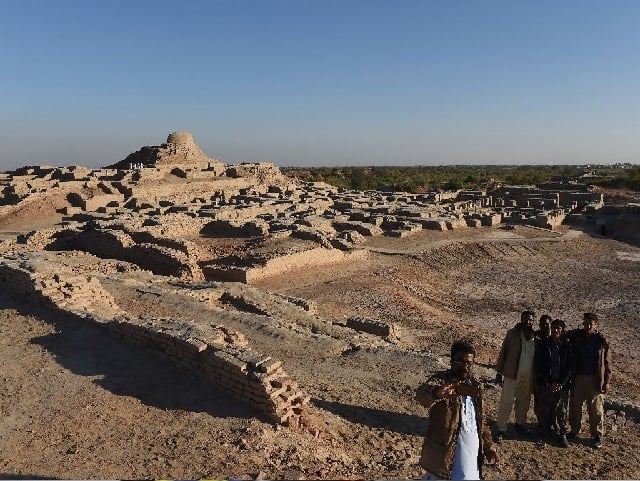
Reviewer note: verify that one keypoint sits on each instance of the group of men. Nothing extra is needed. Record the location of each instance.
(558, 368)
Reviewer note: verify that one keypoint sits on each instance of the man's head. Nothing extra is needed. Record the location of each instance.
(544, 324)
(590, 322)
(526, 319)
(463, 355)
(557, 329)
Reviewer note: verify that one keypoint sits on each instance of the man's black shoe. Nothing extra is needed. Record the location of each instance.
(499, 437)
(523, 430)
(597, 442)
(571, 436)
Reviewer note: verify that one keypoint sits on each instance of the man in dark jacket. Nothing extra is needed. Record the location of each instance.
(553, 363)
(457, 437)
(591, 379)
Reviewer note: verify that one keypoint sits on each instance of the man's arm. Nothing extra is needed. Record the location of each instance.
(426, 394)
(501, 359)
(489, 449)
(607, 366)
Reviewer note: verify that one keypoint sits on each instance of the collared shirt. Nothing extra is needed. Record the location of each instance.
(527, 353)
(465, 461)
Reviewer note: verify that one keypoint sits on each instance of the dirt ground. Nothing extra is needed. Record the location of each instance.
(77, 403)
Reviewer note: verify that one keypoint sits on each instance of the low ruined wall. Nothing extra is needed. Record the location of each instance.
(372, 326)
(280, 265)
(232, 228)
(221, 355)
(549, 220)
(117, 244)
(60, 291)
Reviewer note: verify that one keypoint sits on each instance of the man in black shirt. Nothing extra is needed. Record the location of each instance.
(591, 380)
(554, 363)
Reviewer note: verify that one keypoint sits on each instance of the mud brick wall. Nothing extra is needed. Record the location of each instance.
(434, 224)
(372, 326)
(189, 248)
(233, 228)
(489, 220)
(94, 203)
(313, 257)
(361, 228)
(116, 244)
(223, 357)
(164, 261)
(16, 278)
(37, 239)
(60, 291)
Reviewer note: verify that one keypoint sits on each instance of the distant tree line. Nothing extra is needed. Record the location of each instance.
(450, 177)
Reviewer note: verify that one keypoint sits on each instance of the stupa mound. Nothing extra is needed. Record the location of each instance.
(180, 150)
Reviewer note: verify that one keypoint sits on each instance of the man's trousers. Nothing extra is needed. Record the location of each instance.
(516, 391)
(586, 389)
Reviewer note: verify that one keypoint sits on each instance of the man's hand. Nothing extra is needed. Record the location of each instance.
(447, 391)
(492, 456)
(499, 379)
(556, 386)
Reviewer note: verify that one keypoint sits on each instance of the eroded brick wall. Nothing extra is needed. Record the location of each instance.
(220, 354)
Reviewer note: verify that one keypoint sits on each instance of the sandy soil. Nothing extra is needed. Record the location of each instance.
(76, 403)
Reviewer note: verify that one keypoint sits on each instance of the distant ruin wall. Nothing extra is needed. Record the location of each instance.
(280, 265)
(221, 355)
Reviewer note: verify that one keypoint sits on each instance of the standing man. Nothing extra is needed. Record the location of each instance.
(516, 374)
(544, 327)
(554, 364)
(592, 375)
(457, 437)
(543, 332)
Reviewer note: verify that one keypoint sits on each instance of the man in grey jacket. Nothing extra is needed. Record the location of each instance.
(515, 372)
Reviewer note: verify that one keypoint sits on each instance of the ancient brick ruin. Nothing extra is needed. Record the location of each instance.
(171, 211)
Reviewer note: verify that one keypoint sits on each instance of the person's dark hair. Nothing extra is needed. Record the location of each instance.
(462, 346)
(526, 314)
(559, 322)
(590, 316)
(546, 317)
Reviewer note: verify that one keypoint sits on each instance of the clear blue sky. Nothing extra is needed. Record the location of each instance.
(322, 82)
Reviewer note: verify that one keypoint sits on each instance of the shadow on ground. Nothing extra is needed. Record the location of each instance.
(128, 370)
(376, 418)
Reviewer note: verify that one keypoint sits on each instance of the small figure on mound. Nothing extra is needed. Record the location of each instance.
(457, 438)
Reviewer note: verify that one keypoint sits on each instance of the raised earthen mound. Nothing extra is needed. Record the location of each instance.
(179, 150)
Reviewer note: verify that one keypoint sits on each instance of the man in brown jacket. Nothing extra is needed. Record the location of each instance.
(457, 438)
(515, 372)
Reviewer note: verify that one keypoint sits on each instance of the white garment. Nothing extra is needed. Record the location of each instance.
(527, 353)
(465, 461)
